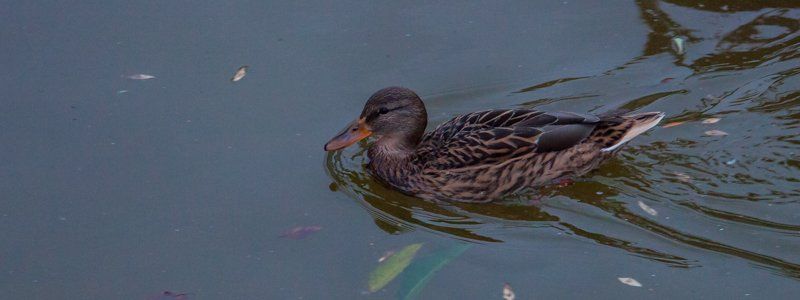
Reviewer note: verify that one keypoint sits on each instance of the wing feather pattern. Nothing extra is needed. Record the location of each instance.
(493, 136)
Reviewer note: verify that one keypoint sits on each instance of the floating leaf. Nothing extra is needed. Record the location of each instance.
(167, 295)
(630, 281)
(672, 124)
(648, 209)
(140, 77)
(716, 133)
(300, 232)
(240, 73)
(419, 273)
(711, 120)
(677, 45)
(683, 177)
(508, 293)
(386, 255)
(392, 267)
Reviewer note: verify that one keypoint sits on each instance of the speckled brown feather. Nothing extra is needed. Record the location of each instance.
(482, 156)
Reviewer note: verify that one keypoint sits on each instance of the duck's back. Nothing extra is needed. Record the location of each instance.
(483, 155)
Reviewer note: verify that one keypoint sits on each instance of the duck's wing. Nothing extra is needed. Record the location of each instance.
(493, 136)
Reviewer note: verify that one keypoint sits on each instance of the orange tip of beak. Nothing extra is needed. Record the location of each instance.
(354, 132)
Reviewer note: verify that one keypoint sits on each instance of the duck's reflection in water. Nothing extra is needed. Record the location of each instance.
(478, 223)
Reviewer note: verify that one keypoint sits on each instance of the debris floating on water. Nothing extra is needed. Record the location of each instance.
(386, 255)
(140, 77)
(730, 162)
(393, 266)
(167, 295)
(683, 177)
(647, 209)
(711, 120)
(716, 133)
(122, 92)
(629, 281)
(677, 45)
(300, 232)
(672, 124)
(240, 73)
(508, 293)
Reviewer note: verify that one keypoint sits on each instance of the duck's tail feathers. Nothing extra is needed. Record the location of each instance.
(640, 123)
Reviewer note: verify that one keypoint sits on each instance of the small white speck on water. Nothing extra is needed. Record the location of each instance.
(629, 281)
(62, 218)
(599, 193)
(649, 210)
(677, 45)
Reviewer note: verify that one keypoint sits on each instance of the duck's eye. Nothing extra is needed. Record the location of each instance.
(383, 110)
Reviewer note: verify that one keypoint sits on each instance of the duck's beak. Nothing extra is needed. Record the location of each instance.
(354, 132)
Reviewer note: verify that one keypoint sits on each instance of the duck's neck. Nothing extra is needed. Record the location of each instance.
(390, 158)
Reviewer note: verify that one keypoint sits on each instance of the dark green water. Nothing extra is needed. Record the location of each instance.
(185, 182)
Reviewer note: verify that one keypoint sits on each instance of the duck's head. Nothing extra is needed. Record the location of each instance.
(395, 115)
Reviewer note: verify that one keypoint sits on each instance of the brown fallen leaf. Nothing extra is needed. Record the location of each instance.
(672, 124)
(716, 133)
(167, 295)
(711, 120)
(508, 293)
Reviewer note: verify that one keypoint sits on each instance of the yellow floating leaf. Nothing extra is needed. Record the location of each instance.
(391, 267)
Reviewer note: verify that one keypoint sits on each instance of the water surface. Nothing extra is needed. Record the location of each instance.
(122, 189)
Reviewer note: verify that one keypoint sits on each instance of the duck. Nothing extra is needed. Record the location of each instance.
(486, 155)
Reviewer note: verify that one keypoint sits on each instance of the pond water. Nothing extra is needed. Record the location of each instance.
(114, 188)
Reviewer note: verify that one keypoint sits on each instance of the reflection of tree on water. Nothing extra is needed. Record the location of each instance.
(737, 49)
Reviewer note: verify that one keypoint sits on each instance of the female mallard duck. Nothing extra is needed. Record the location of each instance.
(481, 156)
